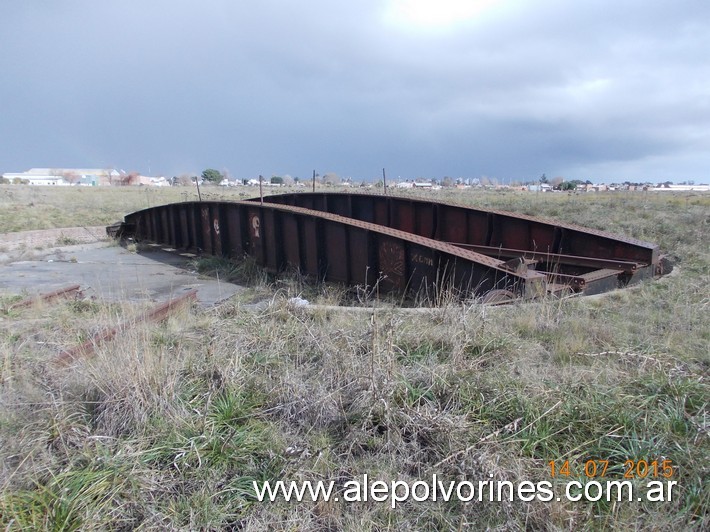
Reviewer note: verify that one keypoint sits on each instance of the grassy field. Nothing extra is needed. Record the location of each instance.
(167, 427)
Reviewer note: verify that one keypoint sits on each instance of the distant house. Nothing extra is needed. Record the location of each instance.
(153, 181)
(542, 187)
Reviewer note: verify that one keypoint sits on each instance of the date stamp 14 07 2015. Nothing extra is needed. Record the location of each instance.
(594, 468)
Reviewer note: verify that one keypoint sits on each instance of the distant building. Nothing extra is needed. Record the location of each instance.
(88, 177)
(542, 187)
(153, 181)
(680, 188)
(35, 177)
(66, 176)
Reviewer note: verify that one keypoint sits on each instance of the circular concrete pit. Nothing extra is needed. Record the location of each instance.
(109, 272)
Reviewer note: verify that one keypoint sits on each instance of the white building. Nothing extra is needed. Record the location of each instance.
(681, 188)
(66, 176)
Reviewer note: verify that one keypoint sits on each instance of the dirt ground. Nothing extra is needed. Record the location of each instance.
(22, 240)
(33, 262)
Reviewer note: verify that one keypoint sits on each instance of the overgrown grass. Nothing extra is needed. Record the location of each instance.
(245, 271)
(167, 426)
(24, 207)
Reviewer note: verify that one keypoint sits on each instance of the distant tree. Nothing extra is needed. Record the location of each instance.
(568, 185)
(125, 179)
(109, 172)
(211, 175)
(288, 180)
(185, 180)
(557, 181)
(71, 177)
(277, 180)
(331, 178)
(447, 182)
(543, 179)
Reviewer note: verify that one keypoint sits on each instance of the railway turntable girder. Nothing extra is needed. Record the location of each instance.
(401, 245)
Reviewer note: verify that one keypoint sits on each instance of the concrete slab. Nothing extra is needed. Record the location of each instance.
(112, 273)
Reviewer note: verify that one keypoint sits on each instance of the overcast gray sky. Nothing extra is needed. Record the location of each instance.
(586, 89)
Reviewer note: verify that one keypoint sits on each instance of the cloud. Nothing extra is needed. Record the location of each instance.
(510, 88)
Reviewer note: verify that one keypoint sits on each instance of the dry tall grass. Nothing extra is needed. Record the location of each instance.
(166, 427)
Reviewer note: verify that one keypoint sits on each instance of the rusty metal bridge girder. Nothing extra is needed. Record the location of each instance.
(459, 224)
(540, 243)
(400, 244)
(326, 246)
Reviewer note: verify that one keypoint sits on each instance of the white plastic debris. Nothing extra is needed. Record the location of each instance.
(298, 302)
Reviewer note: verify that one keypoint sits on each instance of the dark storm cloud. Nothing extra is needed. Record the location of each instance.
(584, 89)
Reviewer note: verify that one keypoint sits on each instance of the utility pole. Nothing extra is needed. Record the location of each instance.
(384, 180)
(314, 180)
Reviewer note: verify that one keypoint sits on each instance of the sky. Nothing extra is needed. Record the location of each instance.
(606, 90)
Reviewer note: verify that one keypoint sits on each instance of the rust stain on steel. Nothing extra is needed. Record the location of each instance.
(392, 263)
(67, 291)
(157, 313)
(409, 244)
